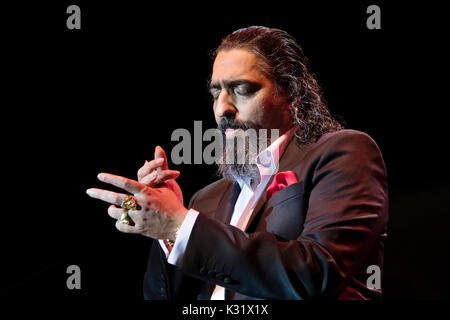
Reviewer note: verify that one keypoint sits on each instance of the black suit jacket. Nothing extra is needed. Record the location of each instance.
(312, 239)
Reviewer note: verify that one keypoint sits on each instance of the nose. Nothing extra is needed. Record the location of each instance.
(224, 107)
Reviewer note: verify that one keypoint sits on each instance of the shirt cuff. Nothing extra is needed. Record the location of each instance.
(175, 256)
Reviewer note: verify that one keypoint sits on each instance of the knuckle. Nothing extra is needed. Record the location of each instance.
(139, 197)
(117, 199)
(127, 184)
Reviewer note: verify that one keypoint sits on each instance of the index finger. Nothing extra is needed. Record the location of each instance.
(107, 196)
(159, 153)
(129, 185)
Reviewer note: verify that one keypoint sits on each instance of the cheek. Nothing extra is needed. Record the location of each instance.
(251, 109)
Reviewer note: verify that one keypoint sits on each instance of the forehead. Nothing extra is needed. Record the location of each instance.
(236, 64)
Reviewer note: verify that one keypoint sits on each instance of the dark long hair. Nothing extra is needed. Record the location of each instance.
(282, 60)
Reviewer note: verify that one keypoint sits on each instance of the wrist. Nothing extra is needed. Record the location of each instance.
(171, 242)
(181, 215)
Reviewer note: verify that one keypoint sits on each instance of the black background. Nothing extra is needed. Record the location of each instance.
(79, 102)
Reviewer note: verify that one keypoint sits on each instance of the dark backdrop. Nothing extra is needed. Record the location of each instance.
(76, 103)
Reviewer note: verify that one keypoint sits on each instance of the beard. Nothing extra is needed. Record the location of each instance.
(240, 150)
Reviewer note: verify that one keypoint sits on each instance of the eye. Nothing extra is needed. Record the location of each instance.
(245, 90)
(215, 93)
(240, 90)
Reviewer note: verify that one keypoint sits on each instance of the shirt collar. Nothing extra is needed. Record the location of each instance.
(268, 160)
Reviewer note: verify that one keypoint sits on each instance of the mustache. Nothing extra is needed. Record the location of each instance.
(228, 123)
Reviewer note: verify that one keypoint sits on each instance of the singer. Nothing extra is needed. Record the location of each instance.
(306, 218)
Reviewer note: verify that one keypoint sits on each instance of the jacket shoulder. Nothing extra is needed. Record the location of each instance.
(351, 151)
(347, 145)
(347, 141)
(346, 136)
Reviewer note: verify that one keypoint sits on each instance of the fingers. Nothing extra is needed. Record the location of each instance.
(129, 185)
(154, 178)
(160, 154)
(107, 196)
(148, 179)
(115, 212)
(126, 228)
(136, 216)
(148, 167)
(156, 169)
(166, 175)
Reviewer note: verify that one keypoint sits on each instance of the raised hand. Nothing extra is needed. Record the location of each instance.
(156, 173)
(160, 212)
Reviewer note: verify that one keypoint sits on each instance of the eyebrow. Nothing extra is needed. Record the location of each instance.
(228, 84)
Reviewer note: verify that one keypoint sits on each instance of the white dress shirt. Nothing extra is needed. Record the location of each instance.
(267, 163)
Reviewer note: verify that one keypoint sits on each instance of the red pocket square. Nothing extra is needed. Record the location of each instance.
(280, 181)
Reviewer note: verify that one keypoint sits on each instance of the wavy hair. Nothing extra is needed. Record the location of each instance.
(282, 60)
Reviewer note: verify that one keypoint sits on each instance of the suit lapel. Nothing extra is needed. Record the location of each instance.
(225, 207)
(224, 211)
(287, 161)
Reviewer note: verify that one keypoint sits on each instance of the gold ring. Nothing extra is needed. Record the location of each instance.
(129, 203)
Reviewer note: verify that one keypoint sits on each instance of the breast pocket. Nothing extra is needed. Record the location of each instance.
(285, 212)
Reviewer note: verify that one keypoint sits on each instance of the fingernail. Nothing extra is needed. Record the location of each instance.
(89, 192)
(159, 160)
(100, 176)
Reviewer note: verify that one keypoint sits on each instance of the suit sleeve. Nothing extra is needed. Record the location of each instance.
(161, 278)
(346, 214)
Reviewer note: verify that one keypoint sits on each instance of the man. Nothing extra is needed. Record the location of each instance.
(305, 218)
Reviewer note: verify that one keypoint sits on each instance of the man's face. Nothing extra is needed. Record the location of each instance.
(242, 93)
